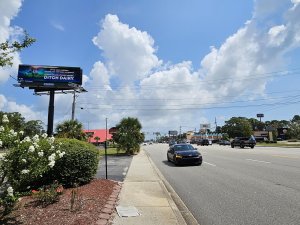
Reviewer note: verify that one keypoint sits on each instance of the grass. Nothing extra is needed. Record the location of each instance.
(280, 144)
(111, 151)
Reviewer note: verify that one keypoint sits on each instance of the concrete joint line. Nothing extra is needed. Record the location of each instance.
(184, 216)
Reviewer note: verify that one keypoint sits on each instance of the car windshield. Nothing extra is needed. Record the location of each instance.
(183, 147)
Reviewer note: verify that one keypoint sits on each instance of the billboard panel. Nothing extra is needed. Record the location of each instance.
(173, 132)
(49, 76)
(205, 126)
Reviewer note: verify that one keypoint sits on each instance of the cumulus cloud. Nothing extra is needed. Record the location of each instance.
(27, 112)
(130, 53)
(8, 10)
(166, 94)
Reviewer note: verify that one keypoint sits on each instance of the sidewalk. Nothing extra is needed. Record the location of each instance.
(144, 188)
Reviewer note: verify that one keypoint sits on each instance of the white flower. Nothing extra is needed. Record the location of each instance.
(44, 135)
(35, 138)
(1, 128)
(31, 148)
(1, 143)
(12, 132)
(61, 154)
(51, 157)
(51, 140)
(5, 119)
(21, 132)
(52, 147)
(36, 145)
(27, 139)
(24, 160)
(41, 154)
(2, 157)
(24, 171)
(51, 163)
(10, 191)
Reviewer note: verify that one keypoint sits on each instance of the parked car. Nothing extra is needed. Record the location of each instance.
(204, 142)
(184, 154)
(224, 142)
(172, 143)
(243, 142)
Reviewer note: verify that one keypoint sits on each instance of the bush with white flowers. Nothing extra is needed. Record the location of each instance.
(25, 161)
(25, 164)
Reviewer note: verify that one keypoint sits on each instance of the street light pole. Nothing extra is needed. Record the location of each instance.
(105, 148)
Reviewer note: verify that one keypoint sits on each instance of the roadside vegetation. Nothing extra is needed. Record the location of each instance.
(33, 164)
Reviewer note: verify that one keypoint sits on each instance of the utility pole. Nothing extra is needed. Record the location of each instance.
(73, 105)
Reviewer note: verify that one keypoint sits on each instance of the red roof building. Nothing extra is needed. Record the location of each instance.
(101, 133)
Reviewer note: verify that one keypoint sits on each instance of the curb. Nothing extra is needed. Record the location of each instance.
(108, 211)
(182, 213)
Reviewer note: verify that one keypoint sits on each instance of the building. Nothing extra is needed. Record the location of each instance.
(100, 133)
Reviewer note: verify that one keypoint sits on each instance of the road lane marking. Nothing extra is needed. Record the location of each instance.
(254, 160)
(209, 164)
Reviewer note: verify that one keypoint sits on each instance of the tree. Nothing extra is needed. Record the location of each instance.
(294, 128)
(97, 139)
(256, 124)
(16, 120)
(237, 126)
(33, 127)
(7, 49)
(70, 129)
(129, 135)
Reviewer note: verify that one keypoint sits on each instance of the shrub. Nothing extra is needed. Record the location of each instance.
(48, 194)
(79, 164)
(25, 164)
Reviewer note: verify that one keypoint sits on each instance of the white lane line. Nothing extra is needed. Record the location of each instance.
(209, 164)
(254, 160)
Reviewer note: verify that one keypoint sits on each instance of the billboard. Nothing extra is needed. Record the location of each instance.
(205, 126)
(173, 132)
(35, 76)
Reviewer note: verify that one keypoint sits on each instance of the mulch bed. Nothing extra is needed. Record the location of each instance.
(89, 202)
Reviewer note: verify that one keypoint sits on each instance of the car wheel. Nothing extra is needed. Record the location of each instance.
(168, 158)
(252, 146)
(242, 145)
(232, 146)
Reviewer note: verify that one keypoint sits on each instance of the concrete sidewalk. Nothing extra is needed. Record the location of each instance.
(146, 189)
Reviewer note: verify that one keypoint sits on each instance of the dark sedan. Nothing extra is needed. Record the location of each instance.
(224, 142)
(184, 154)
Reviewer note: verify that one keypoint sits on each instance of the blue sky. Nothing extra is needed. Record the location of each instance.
(169, 63)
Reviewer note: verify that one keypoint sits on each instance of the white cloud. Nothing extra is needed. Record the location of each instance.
(130, 53)
(58, 26)
(8, 10)
(277, 35)
(27, 112)
(295, 1)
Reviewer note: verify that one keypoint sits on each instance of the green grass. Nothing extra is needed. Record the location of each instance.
(278, 144)
(111, 151)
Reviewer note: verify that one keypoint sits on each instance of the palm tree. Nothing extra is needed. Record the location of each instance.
(97, 139)
(129, 135)
(70, 129)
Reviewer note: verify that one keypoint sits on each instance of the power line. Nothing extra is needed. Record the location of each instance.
(193, 83)
(215, 107)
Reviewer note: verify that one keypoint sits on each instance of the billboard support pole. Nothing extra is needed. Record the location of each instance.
(50, 114)
(73, 106)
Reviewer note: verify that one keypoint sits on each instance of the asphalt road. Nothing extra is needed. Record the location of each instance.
(117, 167)
(237, 186)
